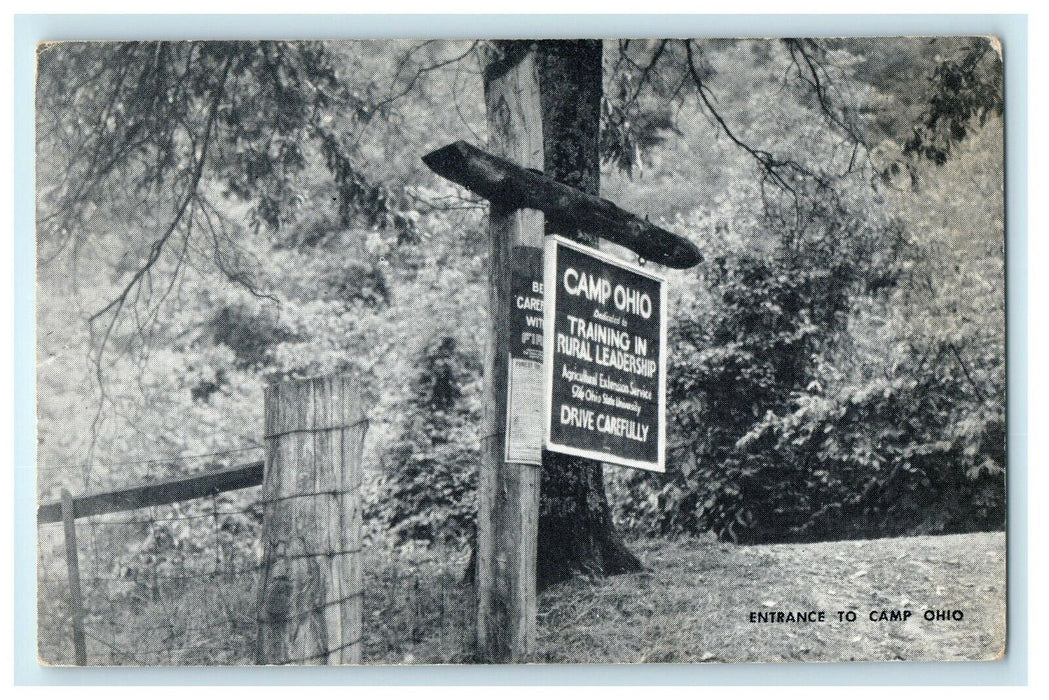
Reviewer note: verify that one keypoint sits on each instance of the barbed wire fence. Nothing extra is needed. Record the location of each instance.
(240, 572)
(162, 584)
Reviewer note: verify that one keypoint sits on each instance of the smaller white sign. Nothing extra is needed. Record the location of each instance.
(524, 412)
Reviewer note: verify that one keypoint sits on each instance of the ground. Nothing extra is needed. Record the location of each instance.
(694, 603)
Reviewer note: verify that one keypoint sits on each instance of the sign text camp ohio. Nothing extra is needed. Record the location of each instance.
(604, 357)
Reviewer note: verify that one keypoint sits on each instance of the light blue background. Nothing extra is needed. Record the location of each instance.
(1011, 29)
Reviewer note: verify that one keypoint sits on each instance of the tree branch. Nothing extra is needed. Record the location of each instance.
(157, 248)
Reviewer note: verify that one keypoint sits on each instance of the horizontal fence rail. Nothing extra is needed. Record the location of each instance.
(156, 493)
(301, 604)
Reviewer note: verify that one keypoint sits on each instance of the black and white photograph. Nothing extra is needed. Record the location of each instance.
(514, 351)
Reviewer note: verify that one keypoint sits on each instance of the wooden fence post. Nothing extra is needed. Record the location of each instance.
(76, 596)
(508, 492)
(309, 594)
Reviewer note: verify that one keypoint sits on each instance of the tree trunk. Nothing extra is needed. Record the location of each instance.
(576, 535)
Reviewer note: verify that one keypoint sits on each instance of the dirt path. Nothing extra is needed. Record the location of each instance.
(701, 600)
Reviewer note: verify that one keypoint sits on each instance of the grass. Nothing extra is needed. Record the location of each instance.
(416, 610)
(691, 604)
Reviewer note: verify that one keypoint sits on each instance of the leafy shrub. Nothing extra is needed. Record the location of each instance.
(827, 402)
(427, 490)
(249, 334)
(729, 366)
(893, 456)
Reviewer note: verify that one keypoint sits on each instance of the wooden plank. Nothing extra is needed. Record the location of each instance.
(508, 493)
(155, 493)
(310, 592)
(508, 185)
(76, 596)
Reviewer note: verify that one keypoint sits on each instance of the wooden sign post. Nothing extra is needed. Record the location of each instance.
(508, 491)
(511, 178)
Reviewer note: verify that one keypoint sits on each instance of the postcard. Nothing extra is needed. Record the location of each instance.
(520, 351)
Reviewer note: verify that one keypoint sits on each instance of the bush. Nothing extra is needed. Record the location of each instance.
(731, 364)
(801, 413)
(427, 490)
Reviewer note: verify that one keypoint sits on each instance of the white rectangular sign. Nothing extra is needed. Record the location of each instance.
(524, 412)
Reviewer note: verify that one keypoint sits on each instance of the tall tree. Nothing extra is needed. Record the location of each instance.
(576, 534)
(581, 126)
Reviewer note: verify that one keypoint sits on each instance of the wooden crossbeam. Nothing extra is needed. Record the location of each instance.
(155, 493)
(506, 184)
